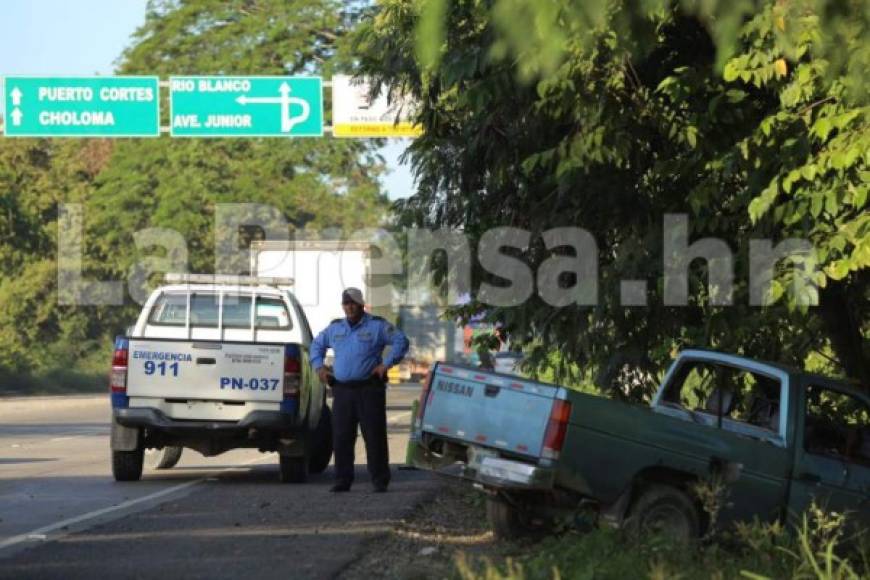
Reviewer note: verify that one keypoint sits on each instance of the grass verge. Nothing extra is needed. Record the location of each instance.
(449, 538)
(53, 382)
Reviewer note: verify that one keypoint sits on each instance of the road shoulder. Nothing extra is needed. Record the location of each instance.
(241, 525)
(428, 543)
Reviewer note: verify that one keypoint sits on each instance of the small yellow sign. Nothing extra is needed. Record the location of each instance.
(377, 130)
(356, 112)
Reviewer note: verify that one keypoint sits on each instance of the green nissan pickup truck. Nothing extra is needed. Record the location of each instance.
(774, 437)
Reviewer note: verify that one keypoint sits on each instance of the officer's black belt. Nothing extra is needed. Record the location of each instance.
(369, 382)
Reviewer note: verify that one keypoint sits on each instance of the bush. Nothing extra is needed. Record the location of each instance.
(816, 548)
(89, 374)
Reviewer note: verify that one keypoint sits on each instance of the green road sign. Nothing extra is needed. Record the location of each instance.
(82, 107)
(246, 106)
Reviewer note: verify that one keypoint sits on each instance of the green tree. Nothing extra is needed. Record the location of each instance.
(35, 175)
(126, 185)
(314, 183)
(609, 115)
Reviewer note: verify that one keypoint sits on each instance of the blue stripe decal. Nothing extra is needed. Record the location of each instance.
(120, 401)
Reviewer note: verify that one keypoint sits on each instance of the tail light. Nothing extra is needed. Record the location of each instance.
(557, 426)
(118, 374)
(292, 378)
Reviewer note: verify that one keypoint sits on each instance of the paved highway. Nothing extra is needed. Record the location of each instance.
(62, 515)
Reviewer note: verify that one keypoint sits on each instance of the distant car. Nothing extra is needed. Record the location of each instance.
(215, 364)
(401, 373)
(508, 362)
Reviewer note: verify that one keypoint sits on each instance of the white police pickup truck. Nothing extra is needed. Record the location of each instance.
(215, 363)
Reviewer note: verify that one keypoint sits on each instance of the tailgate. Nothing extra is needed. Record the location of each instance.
(488, 409)
(204, 370)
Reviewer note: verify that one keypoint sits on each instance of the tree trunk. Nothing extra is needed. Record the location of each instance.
(843, 312)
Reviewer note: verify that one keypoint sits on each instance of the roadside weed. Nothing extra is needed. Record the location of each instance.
(817, 548)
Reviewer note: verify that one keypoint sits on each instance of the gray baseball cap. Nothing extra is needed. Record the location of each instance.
(352, 295)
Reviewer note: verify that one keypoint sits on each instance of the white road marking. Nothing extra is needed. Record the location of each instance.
(41, 534)
(396, 418)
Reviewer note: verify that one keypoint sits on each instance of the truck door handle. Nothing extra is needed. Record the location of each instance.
(809, 478)
(205, 361)
(208, 345)
(491, 390)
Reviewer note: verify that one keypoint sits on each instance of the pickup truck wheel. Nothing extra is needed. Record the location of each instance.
(504, 519)
(127, 465)
(293, 469)
(664, 509)
(163, 458)
(321, 443)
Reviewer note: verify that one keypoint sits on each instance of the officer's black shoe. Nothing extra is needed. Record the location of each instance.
(340, 487)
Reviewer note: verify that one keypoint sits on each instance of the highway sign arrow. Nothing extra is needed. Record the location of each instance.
(245, 106)
(16, 117)
(285, 100)
(16, 96)
(286, 121)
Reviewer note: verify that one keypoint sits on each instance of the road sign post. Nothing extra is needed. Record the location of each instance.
(245, 106)
(82, 107)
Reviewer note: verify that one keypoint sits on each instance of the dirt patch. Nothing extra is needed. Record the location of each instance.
(426, 544)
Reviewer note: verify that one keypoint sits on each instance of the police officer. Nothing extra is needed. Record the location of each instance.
(358, 386)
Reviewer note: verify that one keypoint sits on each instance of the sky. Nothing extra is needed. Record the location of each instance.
(85, 37)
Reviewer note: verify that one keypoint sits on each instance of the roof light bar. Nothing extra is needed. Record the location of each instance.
(228, 279)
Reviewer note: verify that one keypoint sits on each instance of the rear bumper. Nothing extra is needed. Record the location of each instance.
(156, 419)
(506, 473)
(485, 467)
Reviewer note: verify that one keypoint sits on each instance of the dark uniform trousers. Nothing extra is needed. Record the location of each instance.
(360, 403)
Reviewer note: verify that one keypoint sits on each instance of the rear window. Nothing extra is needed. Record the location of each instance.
(171, 310)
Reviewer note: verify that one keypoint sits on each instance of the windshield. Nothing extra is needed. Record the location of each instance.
(171, 310)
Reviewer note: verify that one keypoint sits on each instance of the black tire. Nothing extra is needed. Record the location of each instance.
(320, 450)
(664, 509)
(165, 458)
(127, 465)
(293, 469)
(504, 519)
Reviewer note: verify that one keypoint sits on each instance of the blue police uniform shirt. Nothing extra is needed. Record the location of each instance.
(358, 348)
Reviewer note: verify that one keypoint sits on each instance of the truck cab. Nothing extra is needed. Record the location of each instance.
(217, 363)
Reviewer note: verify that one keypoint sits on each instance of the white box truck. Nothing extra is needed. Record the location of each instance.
(320, 269)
